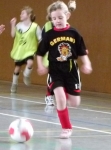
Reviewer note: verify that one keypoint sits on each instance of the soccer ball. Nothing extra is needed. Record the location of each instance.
(21, 130)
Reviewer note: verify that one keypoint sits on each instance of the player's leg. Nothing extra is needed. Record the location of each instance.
(73, 100)
(28, 70)
(73, 86)
(15, 77)
(49, 98)
(49, 95)
(62, 111)
(58, 87)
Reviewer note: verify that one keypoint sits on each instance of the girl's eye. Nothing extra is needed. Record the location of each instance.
(53, 18)
(60, 17)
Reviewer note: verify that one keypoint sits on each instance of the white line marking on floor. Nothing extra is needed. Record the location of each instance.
(97, 111)
(24, 100)
(18, 99)
(54, 123)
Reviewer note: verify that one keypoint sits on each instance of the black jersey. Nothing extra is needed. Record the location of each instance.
(62, 45)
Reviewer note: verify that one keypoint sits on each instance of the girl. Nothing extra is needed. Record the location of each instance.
(27, 35)
(65, 45)
(48, 26)
(2, 28)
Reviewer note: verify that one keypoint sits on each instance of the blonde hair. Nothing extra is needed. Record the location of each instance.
(29, 10)
(58, 5)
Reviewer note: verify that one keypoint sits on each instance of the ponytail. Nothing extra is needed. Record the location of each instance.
(33, 17)
(72, 5)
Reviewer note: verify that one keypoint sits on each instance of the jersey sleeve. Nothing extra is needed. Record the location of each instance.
(39, 33)
(81, 47)
(18, 26)
(43, 46)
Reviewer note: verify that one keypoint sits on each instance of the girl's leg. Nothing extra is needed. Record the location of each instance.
(49, 98)
(15, 79)
(49, 95)
(63, 112)
(27, 72)
(74, 101)
(60, 98)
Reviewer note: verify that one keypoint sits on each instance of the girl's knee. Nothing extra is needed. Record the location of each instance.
(61, 103)
(75, 101)
(30, 63)
(60, 98)
(17, 69)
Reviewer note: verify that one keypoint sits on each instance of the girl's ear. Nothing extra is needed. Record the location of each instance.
(68, 15)
(29, 14)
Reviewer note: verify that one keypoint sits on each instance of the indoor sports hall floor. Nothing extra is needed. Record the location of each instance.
(91, 121)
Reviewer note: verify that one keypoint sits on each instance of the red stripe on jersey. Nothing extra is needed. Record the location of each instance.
(50, 86)
(77, 91)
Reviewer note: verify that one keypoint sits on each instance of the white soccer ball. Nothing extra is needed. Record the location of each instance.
(21, 130)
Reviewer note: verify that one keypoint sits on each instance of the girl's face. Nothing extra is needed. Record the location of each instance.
(59, 18)
(24, 15)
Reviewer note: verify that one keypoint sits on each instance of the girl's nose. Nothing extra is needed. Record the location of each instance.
(58, 20)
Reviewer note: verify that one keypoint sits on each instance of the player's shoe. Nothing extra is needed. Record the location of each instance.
(27, 80)
(64, 144)
(49, 109)
(14, 88)
(66, 133)
(49, 100)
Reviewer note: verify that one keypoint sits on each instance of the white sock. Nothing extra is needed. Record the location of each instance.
(15, 79)
(27, 72)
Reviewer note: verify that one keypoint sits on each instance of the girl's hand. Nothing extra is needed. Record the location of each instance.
(87, 52)
(13, 21)
(87, 69)
(2, 28)
(42, 70)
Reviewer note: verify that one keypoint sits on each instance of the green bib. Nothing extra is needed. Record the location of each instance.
(47, 27)
(25, 44)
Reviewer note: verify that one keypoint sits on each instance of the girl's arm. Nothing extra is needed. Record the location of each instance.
(13, 27)
(85, 59)
(86, 64)
(43, 48)
(39, 61)
(41, 69)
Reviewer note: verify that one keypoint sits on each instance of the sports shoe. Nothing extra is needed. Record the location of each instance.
(66, 133)
(64, 144)
(27, 80)
(49, 109)
(14, 88)
(49, 100)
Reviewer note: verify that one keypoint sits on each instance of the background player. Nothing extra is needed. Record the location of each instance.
(27, 35)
